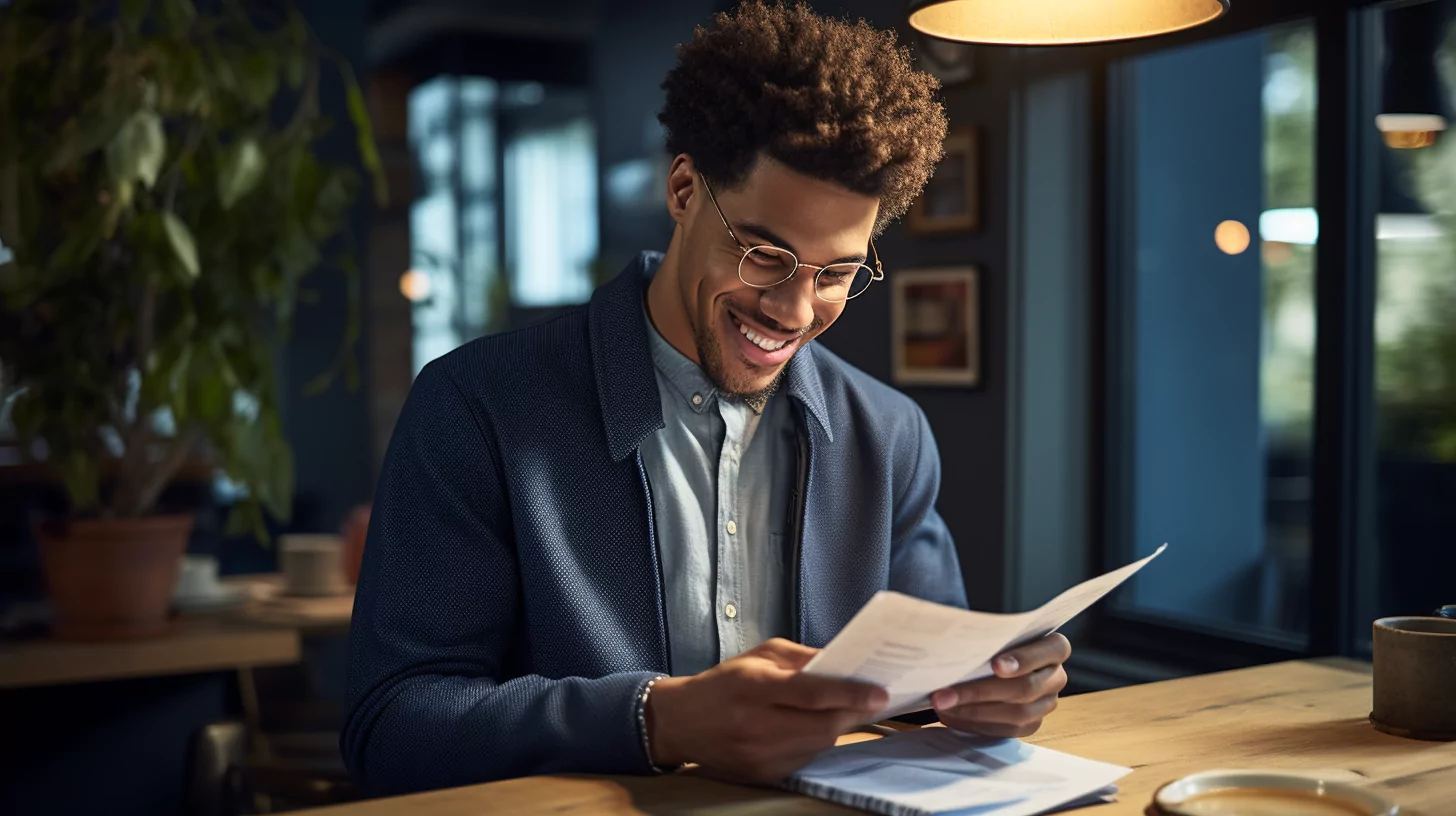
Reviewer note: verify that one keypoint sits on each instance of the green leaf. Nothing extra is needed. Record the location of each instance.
(92, 131)
(182, 244)
(258, 78)
(137, 150)
(296, 253)
(239, 172)
(120, 202)
(79, 244)
(364, 129)
(132, 13)
(239, 520)
(178, 15)
(212, 398)
(224, 367)
(80, 476)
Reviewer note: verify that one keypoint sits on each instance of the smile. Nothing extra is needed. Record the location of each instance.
(761, 348)
(759, 340)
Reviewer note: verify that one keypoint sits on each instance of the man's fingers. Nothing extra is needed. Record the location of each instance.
(996, 719)
(823, 693)
(1045, 681)
(1048, 651)
(785, 654)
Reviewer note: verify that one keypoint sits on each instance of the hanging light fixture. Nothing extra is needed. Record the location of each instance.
(1412, 101)
(1058, 22)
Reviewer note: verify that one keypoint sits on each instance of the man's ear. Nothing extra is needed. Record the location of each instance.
(681, 185)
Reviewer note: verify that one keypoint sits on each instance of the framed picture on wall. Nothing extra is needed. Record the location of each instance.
(935, 327)
(951, 201)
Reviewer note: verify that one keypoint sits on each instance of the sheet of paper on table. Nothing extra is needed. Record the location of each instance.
(913, 647)
(939, 772)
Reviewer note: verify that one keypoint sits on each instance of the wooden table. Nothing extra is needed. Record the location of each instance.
(1302, 715)
(269, 605)
(198, 645)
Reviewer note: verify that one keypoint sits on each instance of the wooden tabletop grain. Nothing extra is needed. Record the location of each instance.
(1302, 715)
(198, 645)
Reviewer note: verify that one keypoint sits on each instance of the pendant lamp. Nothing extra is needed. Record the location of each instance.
(1413, 107)
(1058, 22)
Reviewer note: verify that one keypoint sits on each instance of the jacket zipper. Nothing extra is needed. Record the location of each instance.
(797, 503)
(656, 562)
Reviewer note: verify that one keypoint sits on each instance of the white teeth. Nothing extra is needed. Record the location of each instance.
(761, 341)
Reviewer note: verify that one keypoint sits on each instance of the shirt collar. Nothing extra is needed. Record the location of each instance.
(687, 378)
(623, 365)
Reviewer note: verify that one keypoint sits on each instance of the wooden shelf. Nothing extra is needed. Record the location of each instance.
(199, 645)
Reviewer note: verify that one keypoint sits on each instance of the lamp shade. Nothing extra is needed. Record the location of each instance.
(1413, 102)
(1058, 22)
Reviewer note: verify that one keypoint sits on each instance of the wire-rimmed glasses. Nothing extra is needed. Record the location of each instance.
(765, 266)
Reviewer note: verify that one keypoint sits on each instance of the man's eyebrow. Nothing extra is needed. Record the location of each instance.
(768, 235)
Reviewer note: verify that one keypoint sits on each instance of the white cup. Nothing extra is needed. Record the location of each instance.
(198, 577)
(311, 564)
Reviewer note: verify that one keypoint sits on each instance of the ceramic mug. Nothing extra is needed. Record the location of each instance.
(311, 564)
(197, 577)
(1415, 677)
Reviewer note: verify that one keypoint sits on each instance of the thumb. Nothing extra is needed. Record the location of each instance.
(786, 654)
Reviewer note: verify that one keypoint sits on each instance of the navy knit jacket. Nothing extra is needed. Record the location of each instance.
(510, 606)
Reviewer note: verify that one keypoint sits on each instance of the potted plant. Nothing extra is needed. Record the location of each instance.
(161, 199)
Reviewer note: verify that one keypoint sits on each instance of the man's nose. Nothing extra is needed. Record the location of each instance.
(791, 303)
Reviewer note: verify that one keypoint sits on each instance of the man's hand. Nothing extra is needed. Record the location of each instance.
(1014, 702)
(755, 716)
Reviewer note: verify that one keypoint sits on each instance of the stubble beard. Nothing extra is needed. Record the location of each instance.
(711, 352)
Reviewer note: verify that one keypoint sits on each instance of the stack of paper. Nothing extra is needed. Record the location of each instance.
(939, 772)
(912, 648)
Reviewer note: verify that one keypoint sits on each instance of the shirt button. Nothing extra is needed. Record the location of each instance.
(697, 399)
(732, 528)
(731, 611)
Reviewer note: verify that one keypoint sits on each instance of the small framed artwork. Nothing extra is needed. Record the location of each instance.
(935, 327)
(951, 201)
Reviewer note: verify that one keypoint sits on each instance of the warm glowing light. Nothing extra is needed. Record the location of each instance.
(1410, 140)
(415, 285)
(1058, 22)
(1410, 131)
(1232, 237)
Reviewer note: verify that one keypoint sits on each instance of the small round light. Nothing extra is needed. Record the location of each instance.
(1232, 237)
(415, 285)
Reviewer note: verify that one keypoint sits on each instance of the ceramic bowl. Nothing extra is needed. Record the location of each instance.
(1172, 798)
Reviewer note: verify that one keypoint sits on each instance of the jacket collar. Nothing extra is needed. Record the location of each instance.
(622, 363)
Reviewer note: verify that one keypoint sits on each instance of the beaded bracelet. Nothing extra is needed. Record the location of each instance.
(642, 727)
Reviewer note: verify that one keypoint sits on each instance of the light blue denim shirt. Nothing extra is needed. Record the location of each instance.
(721, 478)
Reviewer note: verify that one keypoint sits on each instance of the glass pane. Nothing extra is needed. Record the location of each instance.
(1213, 164)
(550, 196)
(1411, 568)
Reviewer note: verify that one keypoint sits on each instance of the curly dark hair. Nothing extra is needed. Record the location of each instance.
(834, 100)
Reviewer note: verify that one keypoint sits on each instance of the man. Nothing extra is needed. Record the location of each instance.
(608, 543)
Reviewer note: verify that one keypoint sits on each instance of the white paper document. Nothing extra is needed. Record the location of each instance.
(912, 647)
(942, 772)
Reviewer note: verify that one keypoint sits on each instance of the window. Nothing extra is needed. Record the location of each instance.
(1211, 275)
(507, 211)
(1407, 566)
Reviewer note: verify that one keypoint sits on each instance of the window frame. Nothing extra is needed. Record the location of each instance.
(1342, 502)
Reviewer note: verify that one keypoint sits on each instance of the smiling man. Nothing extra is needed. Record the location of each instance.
(609, 542)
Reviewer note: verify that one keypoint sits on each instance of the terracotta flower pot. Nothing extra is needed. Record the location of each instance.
(111, 579)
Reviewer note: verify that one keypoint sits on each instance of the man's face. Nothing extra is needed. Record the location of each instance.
(818, 221)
